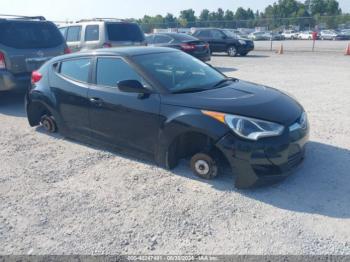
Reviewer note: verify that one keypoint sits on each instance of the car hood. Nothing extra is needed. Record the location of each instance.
(242, 98)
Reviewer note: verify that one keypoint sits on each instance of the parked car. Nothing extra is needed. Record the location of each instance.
(165, 105)
(260, 36)
(25, 44)
(223, 41)
(290, 34)
(346, 33)
(332, 35)
(276, 36)
(305, 35)
(102, 33)
(184, 42)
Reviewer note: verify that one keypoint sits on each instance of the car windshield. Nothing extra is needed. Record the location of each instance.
(179, 72)
(27, 35)
(125, 32)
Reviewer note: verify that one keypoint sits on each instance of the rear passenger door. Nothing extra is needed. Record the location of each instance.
(74, 38)
(70, 83)
(91, 37)
(122, 119)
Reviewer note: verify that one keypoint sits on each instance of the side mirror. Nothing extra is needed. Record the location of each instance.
(132, 86)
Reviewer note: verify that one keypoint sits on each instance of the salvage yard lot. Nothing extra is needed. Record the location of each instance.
(59, 196)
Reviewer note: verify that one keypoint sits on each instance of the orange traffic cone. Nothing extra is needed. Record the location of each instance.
(280, 51)
(347, 50)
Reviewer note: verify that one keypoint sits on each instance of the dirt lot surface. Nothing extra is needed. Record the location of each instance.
(58, 196)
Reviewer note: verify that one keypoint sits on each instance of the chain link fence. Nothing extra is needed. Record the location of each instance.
(272, 24)
(277, 25)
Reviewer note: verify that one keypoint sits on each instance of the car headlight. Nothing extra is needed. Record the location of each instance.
(246, 127)
(242, 42)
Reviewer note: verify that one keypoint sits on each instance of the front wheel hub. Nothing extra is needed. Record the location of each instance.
(202, 167)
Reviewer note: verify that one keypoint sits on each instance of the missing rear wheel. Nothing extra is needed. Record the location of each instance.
(49, 123)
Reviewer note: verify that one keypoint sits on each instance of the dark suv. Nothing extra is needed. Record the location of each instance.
(25, 44)
(221, 40)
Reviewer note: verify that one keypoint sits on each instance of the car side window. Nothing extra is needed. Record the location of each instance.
(76, 69)
(216, 34)
(92, 33)
(73, 34)
(204, 34)
(63, 31)
(162, 39)
(110, 71)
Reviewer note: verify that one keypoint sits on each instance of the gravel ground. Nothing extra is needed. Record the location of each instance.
(58, 196)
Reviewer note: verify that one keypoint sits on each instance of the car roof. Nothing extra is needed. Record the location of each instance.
(120, 51)
(98, 22)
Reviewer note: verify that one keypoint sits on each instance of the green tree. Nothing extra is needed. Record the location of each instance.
(323, 7)
(204, 16)
(170, 20)
(187, 17)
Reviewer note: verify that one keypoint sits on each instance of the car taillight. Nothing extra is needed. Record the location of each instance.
(206, 45)
(2, 61)
(36, 77)
(188, 47)
(107, 45)
(67, 50)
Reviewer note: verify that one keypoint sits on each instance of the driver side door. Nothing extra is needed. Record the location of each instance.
(126, 120)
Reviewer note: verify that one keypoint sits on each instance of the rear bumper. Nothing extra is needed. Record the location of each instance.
(8, 81)
(267, 161)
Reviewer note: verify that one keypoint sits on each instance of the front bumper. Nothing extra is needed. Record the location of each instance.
(246, 48)
(9, 81)
(269, 160)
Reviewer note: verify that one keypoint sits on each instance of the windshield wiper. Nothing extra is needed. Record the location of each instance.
(223, 81)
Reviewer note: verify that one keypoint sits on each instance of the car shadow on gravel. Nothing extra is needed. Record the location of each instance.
(250, 55)
(320, 186)
(12, 104)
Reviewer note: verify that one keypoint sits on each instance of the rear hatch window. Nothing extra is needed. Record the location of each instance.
(126, 32)
(30, 35)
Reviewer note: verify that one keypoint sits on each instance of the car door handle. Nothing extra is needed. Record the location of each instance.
(96, 101)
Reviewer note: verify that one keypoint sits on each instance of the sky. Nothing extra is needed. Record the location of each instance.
(61, 10)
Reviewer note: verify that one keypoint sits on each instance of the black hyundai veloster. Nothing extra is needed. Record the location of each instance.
(165, 105)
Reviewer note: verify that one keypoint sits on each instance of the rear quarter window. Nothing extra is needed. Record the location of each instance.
(124, 32)
(76, 69)
(92, 33)
(30, 34)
